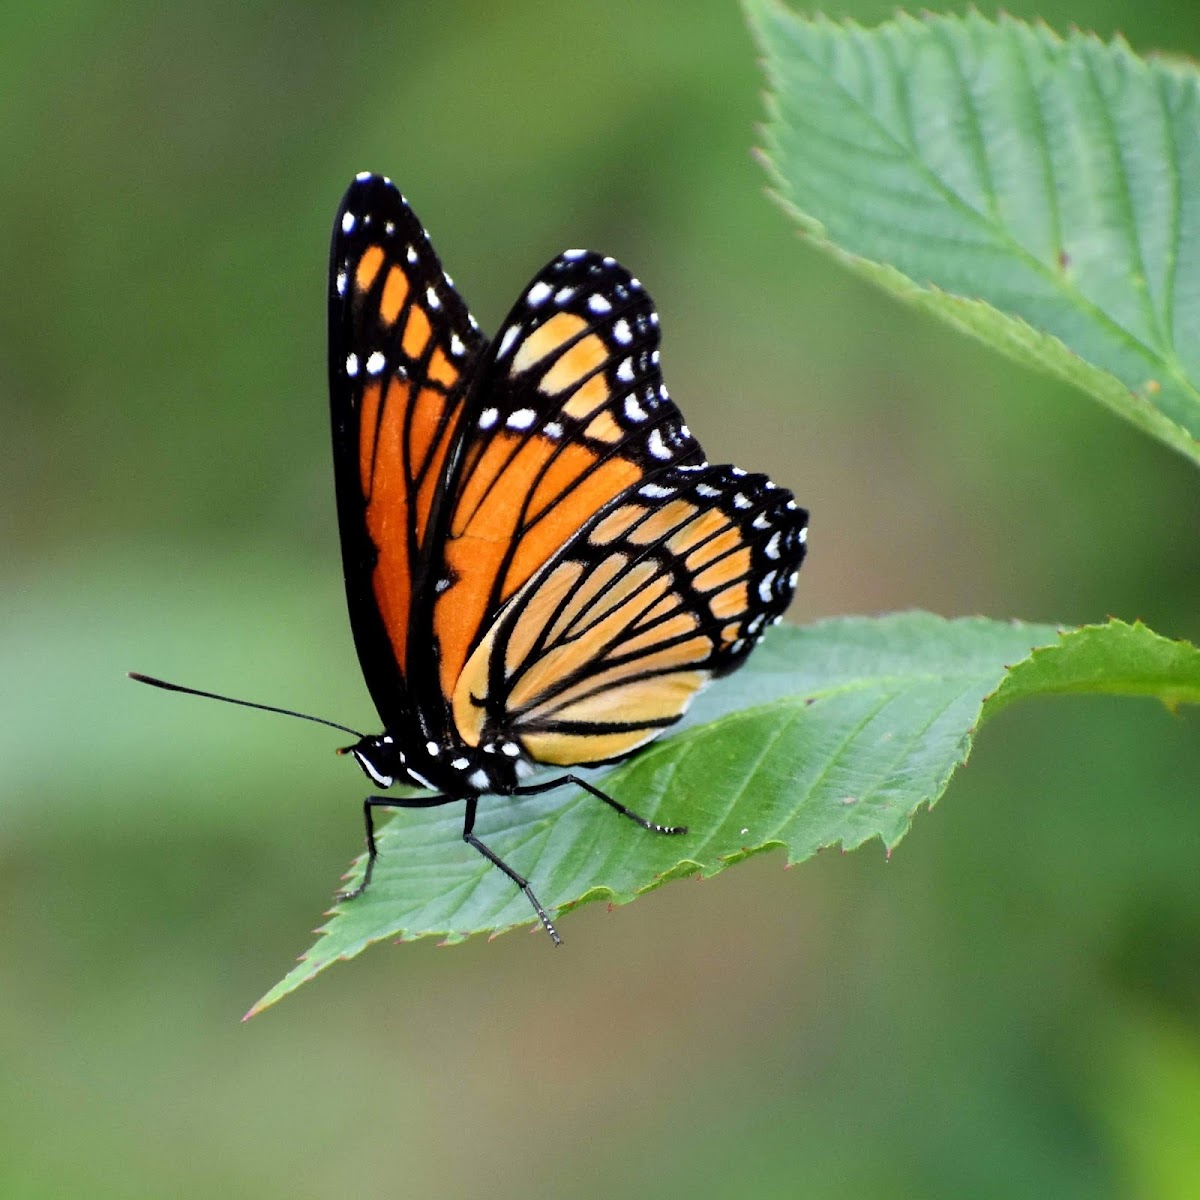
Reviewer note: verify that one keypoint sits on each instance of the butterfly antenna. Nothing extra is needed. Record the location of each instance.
(287, 712)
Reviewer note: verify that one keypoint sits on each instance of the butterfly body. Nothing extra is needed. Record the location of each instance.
(541, 566)
(454, 768)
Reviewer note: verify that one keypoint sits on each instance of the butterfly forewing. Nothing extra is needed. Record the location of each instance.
(570, 412)
(670, 585)
(403, 352)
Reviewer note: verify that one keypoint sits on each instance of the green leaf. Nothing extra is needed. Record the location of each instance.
(1040, 193)
(832, 735)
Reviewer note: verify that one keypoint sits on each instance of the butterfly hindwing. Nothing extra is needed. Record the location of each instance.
(668, 586)
(569, 413)
(403, 352)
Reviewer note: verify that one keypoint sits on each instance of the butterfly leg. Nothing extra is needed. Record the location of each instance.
(369, 805)
(471, 840)
(533, 788)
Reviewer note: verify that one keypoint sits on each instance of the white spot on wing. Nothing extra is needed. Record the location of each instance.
(563, 295)
(349, 220)
(772, 547)
(537, 294)
(656, 445)
(341, 283)
(456, 346)
(573, 255)
(376, 363)
(523, 418)
(352, 365)
(510, 336)
(633, 410)
(433, 299)
(598, 303)
(625, 370)
(622, 332)
(487, 418)
(764, 587)
(654, 492)
(411, 254)
(478, 780)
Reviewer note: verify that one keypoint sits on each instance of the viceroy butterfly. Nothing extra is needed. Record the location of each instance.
(541, 566)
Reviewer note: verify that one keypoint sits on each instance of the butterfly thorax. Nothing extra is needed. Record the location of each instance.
(455, 769)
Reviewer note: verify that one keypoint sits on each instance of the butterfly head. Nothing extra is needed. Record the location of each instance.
(381, 759)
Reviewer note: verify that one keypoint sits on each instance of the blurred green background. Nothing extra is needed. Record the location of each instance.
(1010, 1007)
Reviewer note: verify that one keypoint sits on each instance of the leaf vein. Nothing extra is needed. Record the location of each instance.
(1120, 175)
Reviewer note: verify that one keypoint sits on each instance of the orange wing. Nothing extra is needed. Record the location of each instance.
(403, 350)
(570, 411)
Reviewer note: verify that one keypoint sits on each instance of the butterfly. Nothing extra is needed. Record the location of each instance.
(542, 569)
(541, 566)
